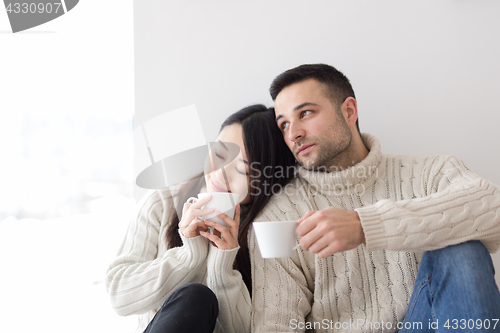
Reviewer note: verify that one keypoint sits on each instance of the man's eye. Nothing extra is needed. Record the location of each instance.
(304, 113)
(284, 125)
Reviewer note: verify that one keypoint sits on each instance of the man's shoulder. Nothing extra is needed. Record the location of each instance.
(283, 201)
(426, 167)
(419, 159)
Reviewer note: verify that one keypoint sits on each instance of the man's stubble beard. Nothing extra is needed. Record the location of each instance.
(331, 150)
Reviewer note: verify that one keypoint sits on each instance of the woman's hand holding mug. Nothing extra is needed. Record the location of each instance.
(190, 225)
(229, 239)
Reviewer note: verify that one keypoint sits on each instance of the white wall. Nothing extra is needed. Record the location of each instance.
(426, 73)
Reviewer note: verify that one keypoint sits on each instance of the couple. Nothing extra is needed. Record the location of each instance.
(388, 243)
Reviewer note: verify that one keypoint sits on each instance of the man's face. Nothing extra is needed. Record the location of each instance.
(316, 133)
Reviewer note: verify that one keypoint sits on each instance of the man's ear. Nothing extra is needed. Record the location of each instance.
(350, 111)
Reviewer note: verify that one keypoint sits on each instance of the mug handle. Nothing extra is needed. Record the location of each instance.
(191, 200)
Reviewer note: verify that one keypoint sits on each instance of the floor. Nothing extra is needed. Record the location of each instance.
(52, 274)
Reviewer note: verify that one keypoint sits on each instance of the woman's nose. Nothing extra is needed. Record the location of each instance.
(223, 175)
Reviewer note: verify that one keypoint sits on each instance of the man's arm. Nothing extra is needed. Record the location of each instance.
(329, 231)
(459, 206)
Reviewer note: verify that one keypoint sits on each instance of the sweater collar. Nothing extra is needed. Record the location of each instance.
(347, 178)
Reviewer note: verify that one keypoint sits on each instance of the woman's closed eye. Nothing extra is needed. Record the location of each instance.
(220, 155)
(241, 172)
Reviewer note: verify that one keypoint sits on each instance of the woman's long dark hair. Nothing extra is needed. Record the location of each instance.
(272, 165)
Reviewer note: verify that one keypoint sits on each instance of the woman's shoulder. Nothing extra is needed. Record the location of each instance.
(153, 198)
(157, 202)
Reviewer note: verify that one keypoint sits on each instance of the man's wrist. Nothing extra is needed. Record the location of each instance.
(362, 232)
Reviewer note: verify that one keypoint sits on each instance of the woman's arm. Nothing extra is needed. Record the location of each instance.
(226, 282)
(232, 293)
(138, 280)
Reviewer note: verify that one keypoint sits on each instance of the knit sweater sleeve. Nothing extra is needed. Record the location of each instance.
(458, 206)
(138, 280)
(232, 293)
(281, 297)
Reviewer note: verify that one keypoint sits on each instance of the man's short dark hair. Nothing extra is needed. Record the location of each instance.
(337, 85)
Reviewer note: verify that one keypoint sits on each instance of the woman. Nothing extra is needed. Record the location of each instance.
(164, 256)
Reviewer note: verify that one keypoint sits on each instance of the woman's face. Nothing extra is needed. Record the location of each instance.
(229, 175)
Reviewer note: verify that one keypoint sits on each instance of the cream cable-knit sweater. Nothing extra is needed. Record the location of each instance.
(406, 204)
(145, 273)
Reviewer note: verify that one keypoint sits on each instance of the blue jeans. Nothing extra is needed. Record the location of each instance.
(455, 291)
(193, 308)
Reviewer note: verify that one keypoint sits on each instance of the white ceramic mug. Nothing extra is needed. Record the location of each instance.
(223, 202)
(276, 239)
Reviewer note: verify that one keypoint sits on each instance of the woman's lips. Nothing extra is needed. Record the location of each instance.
(217, 188)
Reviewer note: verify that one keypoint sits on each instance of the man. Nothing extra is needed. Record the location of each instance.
(365, 219)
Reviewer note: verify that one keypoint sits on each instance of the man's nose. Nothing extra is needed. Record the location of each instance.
(295, 132)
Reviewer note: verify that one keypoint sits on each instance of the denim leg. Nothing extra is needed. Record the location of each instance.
(455, 287)
(192, 308)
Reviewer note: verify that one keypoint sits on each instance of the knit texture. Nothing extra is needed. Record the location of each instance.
(145, 273)
(406, 204)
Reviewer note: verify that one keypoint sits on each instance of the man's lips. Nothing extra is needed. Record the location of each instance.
(304, 149)
(217, 188)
